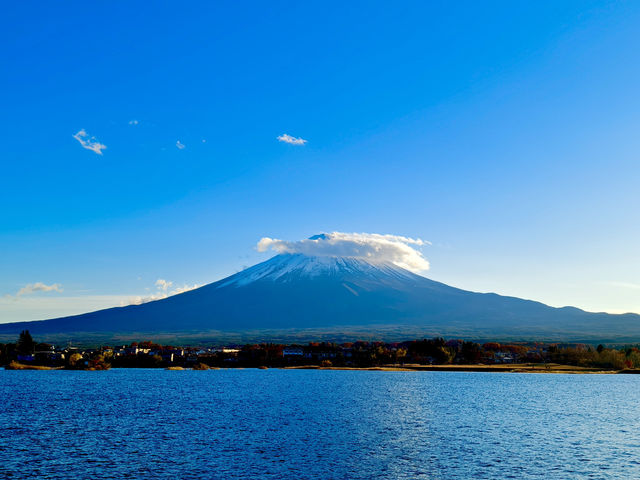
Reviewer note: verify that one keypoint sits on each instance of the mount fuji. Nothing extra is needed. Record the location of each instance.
(311, 297)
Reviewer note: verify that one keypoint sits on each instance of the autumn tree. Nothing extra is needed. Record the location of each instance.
(400, 355)
(75, 360)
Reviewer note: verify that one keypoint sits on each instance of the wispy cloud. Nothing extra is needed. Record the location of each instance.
(90, 143)
(375, 247)
(286, 138)
(633, 286)
(133, 122)
(180, 145)
(163, 290)
(184, 288)
(36, 287)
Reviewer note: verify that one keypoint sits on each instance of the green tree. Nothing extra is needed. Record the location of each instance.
(26, 344)
(470, 352)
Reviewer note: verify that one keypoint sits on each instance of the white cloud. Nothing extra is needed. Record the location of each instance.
(90, 143)
(633, 286)
(180, 145)
(396, 249)
(36, 287)
(133, 122)
(162, 291)
(163, 284)
(291, 140)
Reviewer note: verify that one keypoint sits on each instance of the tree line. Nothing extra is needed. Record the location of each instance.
(434, 351)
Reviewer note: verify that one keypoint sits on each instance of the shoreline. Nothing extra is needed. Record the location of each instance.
(502, 368)
(510, 368)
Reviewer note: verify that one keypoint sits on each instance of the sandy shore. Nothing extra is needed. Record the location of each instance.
(22, 366)
(510, 368)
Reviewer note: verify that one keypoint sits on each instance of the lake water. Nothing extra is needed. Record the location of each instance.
(311, 424)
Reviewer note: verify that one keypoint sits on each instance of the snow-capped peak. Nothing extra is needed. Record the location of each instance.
(292, 266)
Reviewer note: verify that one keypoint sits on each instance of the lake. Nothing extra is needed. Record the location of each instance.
(317, 424)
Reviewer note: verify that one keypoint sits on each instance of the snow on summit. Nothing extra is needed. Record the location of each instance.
(291, 267)
(373, 247)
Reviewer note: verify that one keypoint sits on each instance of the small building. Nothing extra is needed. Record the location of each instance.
(292, 352)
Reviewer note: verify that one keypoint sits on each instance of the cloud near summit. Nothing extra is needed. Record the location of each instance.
(396, 249)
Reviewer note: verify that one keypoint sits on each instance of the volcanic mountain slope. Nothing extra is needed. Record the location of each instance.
(298, 292)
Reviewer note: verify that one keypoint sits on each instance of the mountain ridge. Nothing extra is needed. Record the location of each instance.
(300, 292)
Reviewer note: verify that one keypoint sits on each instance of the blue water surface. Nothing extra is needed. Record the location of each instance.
(317, 424)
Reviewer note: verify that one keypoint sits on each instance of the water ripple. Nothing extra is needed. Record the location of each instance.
(238, 424)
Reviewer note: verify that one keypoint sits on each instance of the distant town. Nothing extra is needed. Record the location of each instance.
(27, 353)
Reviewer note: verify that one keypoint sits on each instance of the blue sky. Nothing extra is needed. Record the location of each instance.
(504, 133)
